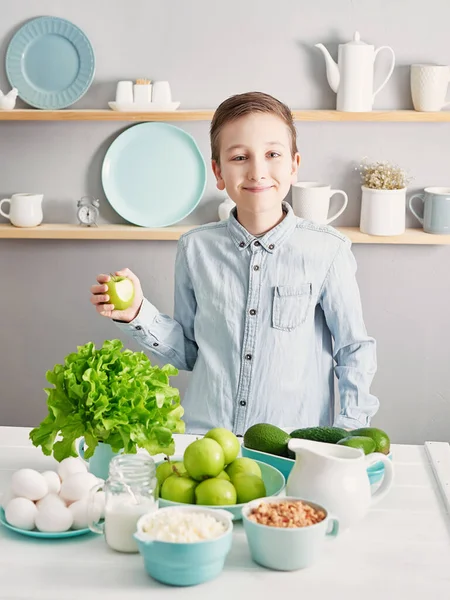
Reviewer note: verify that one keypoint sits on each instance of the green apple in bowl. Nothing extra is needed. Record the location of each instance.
(120, 292)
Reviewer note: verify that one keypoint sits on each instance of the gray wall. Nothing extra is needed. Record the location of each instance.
(247, 45)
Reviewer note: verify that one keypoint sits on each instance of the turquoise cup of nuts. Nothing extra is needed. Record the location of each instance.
(287, 534)
(184, 545)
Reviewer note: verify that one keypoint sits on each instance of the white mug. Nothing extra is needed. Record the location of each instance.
(311, 200)
(429, 85)
(161, 93)
(25, 210)
(124, 92)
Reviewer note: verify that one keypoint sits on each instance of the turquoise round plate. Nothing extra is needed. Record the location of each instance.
(154, 174)
(42, 534)
(51, 62)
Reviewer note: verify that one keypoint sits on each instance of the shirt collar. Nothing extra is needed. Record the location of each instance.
(271, 240)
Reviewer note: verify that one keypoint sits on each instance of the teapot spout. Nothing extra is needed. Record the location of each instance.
(333, 74)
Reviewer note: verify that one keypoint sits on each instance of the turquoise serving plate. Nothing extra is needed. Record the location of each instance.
(51, 62)
(154, 174)
(273, 480)
(42, 534)
(285, 465)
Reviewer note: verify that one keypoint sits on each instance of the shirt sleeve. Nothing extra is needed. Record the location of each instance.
(354, 351)
(170, 339)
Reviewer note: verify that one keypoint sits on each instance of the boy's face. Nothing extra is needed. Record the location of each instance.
(256, 163)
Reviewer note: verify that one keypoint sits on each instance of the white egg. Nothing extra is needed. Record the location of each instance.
(50, 500)
(53, 518)
(21, 512)
(77, 486)
(6, 497)
(70, 466)
(28, 483)
(53, 481)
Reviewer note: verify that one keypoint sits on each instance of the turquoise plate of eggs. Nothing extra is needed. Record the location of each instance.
(42, 534)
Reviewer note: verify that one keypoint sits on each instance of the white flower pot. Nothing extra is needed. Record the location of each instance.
(383, 211)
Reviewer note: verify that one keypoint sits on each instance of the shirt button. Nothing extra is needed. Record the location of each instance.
(253, 312)
(242, 402)
(271, 247)
(256, 268)
(155, 344)
(248, 356)
(242, 244)
(138, 327)
(257, 243)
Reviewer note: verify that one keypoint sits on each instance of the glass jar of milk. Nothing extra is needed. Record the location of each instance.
(129, 492)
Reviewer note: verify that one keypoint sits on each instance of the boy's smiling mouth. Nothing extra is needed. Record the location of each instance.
(257, 189)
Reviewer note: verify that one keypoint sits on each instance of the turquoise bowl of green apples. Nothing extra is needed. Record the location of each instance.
(212, 474)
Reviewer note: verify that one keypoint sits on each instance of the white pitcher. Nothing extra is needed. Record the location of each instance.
(25, 210)
(336, 477)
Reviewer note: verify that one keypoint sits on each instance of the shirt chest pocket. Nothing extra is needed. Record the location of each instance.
(290, 305)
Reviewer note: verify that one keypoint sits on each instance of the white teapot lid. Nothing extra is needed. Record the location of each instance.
(356, 41)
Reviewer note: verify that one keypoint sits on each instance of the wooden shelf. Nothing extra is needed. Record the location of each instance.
(206, 115)
(132, 232)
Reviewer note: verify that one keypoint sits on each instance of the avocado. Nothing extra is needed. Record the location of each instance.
(366, 444)
(330, 435)
(267, 438)
(380, 437)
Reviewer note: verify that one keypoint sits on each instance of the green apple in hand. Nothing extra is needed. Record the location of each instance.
(215, 492)
(120, 292)
(179, 489)
(228, 441)
(204, 458)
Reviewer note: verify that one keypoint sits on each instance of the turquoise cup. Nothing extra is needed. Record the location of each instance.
(185, 564)
(287, 548)
(436, 209)
(98, 464)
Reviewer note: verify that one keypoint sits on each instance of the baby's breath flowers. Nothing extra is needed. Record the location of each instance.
(383, 175)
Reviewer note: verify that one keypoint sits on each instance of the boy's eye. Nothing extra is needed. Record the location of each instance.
(238, 158)
(274, 154)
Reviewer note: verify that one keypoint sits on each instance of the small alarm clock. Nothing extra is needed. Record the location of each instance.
(88, 212)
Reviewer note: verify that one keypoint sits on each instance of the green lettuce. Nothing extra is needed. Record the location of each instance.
(109, 395)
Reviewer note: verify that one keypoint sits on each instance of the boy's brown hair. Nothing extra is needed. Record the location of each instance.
(244, 104)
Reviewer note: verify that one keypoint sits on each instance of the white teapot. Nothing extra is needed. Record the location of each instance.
(336, 477)
(352, 76)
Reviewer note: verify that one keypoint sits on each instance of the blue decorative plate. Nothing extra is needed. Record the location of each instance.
(154, 174)
(42, 534)
(51, 63)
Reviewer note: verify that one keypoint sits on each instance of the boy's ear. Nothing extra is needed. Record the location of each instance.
(220, 183)
(295, 165)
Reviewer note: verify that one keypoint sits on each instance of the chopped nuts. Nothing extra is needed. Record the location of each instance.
(286, 514)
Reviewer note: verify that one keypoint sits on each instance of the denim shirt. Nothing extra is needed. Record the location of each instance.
(264, 323)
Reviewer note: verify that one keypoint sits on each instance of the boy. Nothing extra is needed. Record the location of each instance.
(259, 297)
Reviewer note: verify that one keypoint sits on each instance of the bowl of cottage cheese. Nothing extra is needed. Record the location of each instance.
(184, 545)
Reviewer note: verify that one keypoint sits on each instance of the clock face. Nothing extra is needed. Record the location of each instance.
(87, 215)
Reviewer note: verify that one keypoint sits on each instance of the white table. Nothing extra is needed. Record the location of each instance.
(400, 550)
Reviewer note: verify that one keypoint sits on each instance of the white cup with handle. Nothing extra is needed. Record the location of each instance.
(311, 200)
(25, 210)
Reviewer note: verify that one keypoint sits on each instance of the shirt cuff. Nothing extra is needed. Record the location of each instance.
(144, 319)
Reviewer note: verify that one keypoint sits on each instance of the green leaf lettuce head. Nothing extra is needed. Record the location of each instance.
(113, 396)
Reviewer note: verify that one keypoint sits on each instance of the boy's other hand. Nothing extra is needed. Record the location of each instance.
(100, 298)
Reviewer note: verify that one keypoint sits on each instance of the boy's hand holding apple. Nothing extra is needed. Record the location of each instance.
(119, 296)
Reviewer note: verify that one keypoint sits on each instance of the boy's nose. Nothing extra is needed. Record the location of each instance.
(256, 171)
